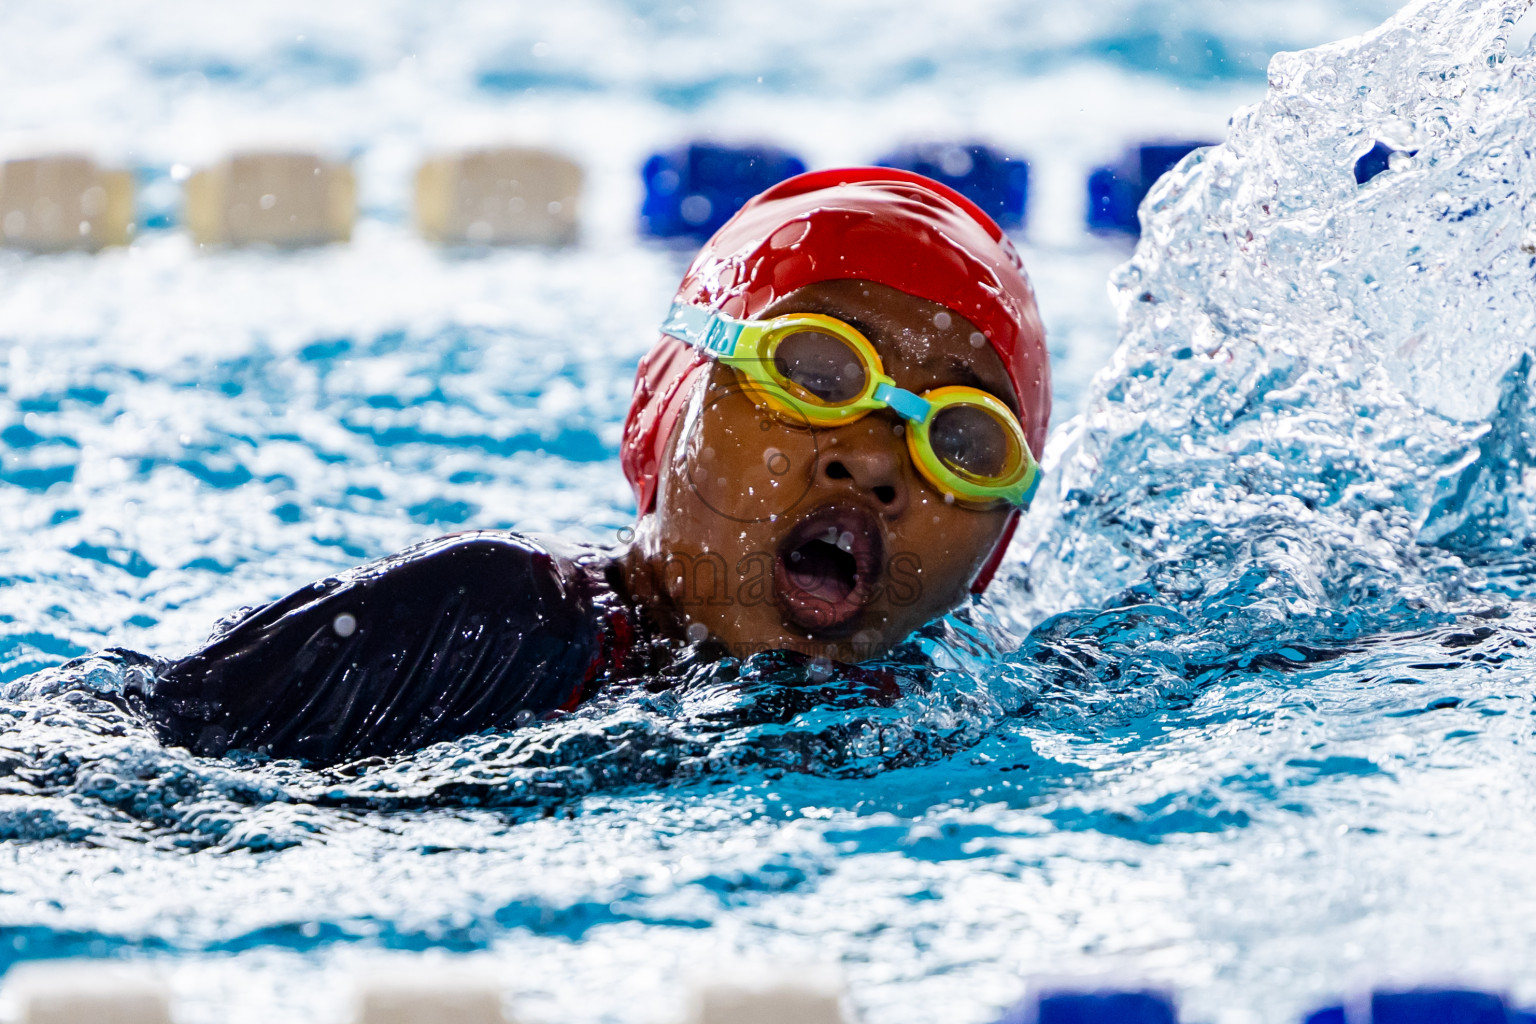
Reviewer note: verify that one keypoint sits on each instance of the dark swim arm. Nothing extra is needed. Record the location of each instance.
(448, 638)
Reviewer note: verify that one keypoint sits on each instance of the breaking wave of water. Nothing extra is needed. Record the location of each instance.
(1325, 380)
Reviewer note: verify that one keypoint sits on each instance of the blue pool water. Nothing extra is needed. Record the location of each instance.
(1249, 713)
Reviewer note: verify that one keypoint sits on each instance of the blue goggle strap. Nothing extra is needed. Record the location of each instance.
(1034, 485)
(714, 333)
(903, 402)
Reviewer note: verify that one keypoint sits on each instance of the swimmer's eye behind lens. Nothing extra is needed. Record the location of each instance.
(971, 445)
(818, 367)
(972, 442)
(814, 367)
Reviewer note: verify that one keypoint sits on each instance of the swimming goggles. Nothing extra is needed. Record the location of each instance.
(818, 371)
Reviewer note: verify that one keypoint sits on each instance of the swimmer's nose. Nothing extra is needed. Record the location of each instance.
(874, 472)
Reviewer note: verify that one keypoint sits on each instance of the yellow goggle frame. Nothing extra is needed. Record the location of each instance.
(750, 348)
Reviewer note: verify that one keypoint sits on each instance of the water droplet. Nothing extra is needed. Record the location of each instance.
(956, 162)
(344, 624)
(790, 235)
(942, 320)
(978, 339)
(695, 209)
(697, 632)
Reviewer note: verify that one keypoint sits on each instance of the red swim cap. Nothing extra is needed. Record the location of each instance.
(868, 223)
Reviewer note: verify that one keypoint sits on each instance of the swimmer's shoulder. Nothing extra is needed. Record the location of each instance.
(476, 630)
(453, 560)
(494, 558)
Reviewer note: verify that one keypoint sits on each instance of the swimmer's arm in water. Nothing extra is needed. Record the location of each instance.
(455, 636)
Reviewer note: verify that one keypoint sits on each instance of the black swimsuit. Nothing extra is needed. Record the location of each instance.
(474, 631)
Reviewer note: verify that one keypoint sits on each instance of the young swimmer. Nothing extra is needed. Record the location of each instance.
(830, 446)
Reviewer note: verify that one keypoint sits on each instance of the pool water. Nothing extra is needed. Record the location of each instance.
(1248, 714)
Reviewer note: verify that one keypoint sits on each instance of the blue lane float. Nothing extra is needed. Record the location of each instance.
(692, 190)
(1115, 191)
(1100, 1006)
(997, 182)
(1423, 1006)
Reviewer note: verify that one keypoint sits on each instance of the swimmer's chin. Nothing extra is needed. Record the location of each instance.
(848, 648)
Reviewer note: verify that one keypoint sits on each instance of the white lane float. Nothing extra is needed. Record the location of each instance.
(64, 202)
(512, 195)
(287, 200)
(87, 992)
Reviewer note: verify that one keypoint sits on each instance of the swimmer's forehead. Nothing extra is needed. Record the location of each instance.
(923, 345)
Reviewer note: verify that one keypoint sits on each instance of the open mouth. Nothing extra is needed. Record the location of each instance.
(826, 569)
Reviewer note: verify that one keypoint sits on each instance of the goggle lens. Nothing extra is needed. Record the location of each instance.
(826, 368)
(973, 442)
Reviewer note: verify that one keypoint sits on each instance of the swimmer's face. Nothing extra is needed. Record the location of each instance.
(771, 535)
